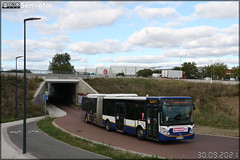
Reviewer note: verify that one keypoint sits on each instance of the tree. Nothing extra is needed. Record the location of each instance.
(157, 71)
(190, 70)
(206, 71)
(235, 71)
(145, 72)
(60, 64)
(218, 70)
(176, 68)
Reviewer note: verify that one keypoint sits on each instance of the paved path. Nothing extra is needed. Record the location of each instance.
(203, 146)
(39, 145)
(43, 146)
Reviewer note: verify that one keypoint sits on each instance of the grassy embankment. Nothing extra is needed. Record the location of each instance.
(8, 94)
(216, 104)
(47, 126)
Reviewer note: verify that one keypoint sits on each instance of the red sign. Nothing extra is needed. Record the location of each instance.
(180, 129)
(105, 71)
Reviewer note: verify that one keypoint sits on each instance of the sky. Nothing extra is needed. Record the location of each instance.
(162, 34)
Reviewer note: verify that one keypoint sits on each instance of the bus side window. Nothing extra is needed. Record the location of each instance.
(139, 114)
(108, 108)
(129, 110)
(83, 106)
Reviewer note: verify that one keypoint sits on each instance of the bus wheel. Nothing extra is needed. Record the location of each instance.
(107, 125)
(140, 134)
(86, 119)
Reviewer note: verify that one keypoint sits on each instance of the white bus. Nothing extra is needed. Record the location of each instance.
(157, 118)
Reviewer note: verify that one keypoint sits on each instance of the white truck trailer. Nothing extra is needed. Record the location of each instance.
(174, 74)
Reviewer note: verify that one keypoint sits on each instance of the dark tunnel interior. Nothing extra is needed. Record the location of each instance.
(62, 93)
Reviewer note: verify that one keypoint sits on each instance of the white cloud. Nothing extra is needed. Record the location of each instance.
(156, 37)
(202, 40)
(136, 59)
(154, 13)
(202, 52)
(105, 46)
(78, 16)
(217, 10)
(68, 16)
(37, 50)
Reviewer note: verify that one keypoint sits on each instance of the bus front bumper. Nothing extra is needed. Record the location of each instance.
(182, 136)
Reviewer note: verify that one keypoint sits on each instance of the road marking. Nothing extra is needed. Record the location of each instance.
(15, 132)
(33, 131)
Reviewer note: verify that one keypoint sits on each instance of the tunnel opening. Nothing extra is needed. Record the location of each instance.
(62, 93)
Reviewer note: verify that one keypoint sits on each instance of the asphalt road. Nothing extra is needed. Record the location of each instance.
(42, 146)
(202, 147)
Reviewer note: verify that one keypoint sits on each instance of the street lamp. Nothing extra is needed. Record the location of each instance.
(16, 86)
(24, 109)
(211, 71)
(181, 62)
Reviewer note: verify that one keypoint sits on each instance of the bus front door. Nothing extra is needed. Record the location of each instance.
(119, 115)
(152, 122)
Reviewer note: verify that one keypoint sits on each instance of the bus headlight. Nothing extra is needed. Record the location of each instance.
(192, 130)
(165, 131)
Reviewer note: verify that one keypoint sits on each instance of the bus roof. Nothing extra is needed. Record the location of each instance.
(169, 97)
(111, 95)
(126, 98)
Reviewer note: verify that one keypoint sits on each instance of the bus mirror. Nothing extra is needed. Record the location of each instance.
(193, 107)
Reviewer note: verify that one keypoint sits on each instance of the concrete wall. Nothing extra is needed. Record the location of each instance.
(38, 96)
(82, 88)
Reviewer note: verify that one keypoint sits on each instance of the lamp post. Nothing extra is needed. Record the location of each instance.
(211, 71)
(16, 86)
(24, 109)
(181, 62)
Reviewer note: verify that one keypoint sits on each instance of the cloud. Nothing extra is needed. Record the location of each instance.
(154, 13)
(78, 16)
(202, 52)
(37, 50)
(202, 40)
(157, 37)
(217, 10)
(63, 17)
(135, 59)
(104, 46)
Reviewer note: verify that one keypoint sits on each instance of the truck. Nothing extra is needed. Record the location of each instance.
(167, 73)
(156, 75)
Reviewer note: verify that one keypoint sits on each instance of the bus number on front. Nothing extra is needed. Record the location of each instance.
(152, 101)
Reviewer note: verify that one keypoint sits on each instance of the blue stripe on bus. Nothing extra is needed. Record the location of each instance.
(130, 130)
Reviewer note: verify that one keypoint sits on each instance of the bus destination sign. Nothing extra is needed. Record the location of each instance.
(177, 101)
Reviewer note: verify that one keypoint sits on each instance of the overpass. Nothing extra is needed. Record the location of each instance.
(65, 91)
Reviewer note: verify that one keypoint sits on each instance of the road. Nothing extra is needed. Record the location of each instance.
(43, 146)
(202, 147)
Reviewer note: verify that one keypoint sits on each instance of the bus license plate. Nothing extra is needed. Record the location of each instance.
(179, 137)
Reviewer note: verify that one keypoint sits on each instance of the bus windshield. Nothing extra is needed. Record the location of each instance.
(177, 115)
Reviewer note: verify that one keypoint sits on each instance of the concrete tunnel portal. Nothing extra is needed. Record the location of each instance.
(63, 91)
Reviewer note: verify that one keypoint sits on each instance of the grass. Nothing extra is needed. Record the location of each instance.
(47, 126)
(210, 109)
(8, 102)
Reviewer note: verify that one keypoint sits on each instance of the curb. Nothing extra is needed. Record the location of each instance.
(117, 148)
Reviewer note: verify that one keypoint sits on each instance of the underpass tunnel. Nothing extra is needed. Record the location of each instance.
(62, 93)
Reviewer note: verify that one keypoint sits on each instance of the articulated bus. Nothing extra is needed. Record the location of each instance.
(157, 118)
